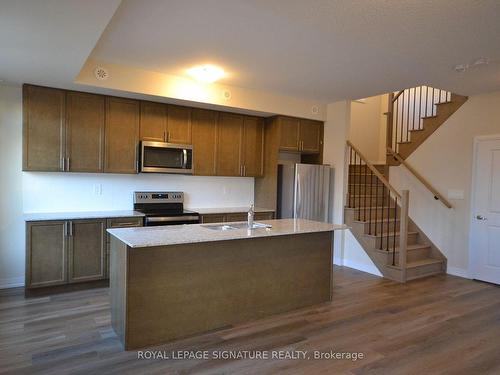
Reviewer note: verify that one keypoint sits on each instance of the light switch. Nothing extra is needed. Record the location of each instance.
(455, 194)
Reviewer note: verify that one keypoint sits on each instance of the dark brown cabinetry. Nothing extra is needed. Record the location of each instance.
(234, 216)
(46, 254)
(153, 122)
(122, 135)
(179, 125)
(300, 135)
(253, 147)
(162, 123)
(229, 141)
(86, 250)
(70, 251)
(85, 116)
(204, 128)
(43, 129)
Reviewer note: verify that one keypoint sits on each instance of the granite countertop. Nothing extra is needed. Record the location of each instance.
(193, 233)
(227, 210)
(41, 216)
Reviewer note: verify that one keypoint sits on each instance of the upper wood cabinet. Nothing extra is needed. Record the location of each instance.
(85, 116)
(253, 147)
(310, 136)
(122, 135)
(204, 128)
(300, 135)
(153, 122)
(86, 250)
(162, 123)
(229, 142)
(289, 134)
(179, 125)
(43, 128)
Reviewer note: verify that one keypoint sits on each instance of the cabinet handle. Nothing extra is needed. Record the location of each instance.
(70, 229)
(61, 164)
(67, 165)
(244, 170)
(168, 137)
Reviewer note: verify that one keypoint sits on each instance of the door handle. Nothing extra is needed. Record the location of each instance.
(481, 217)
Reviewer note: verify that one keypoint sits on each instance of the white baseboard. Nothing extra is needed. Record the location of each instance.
(458, 272)
(12, 282)
(362, 267)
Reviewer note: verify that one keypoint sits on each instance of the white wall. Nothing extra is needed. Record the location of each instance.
(347, 250)
(52, 192)
(368, 127)
(11, 203)
(445, 160)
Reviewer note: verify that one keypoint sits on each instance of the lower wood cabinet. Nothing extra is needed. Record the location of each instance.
(86, 250)
(46, 254)
(69, 251)
(234, 216)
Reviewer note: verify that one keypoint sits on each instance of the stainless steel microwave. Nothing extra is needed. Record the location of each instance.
(160, 157)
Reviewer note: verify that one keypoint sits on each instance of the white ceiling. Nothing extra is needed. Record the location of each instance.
(48, 41)
(317, 49)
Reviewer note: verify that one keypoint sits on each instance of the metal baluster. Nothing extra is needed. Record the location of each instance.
(376, 206)
(371, 203)
(350, 179)
(364, 191)
(414, 108)
(388, 219)
(382, 222)
(358, 175)
(394, 230)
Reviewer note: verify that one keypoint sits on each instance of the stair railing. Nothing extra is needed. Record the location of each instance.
(407, 110)
(379, 204)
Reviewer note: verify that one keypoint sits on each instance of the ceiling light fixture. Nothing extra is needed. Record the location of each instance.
(206, 73)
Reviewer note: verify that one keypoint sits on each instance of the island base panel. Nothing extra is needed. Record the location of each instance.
(169, 292)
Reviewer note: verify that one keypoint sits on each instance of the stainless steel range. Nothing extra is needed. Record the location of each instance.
(164, 208)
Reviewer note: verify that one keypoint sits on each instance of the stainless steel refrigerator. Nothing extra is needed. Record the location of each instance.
(305, 191)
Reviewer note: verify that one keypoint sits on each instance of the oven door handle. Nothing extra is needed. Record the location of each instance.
(171, 219)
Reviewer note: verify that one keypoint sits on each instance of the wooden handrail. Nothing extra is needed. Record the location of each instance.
(374, 170)
(397, 96)
(420, 178)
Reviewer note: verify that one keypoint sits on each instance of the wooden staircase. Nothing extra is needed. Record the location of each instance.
(377, 220)
(414, 114)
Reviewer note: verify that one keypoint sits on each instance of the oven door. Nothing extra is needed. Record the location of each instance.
(160, 157)
(154, 221)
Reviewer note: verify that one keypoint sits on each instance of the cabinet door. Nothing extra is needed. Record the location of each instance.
(289, 134)
(179, 125)
(43, 128)
(46, 256)
(153, 122)
(122, 135)
(204, 124)
(229, 138)
(84, 132)
(253, 147)
(87, 250)
(310, 133)
(242, 216)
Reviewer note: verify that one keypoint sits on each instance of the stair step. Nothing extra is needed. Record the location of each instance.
(413, 247)
(378, 235)
(424, 117)
(414, 252)
(404, 142)
(423, 262)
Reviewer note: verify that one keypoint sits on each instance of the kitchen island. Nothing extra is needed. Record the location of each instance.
(175, 281)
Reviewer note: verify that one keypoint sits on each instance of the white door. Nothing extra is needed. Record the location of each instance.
(485, 231)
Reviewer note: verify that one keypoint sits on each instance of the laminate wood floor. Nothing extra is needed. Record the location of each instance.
(439, 325)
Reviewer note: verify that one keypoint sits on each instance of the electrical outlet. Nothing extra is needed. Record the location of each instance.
(97, 189)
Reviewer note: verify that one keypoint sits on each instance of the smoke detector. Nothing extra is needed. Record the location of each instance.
(226, 94)
(101, 74)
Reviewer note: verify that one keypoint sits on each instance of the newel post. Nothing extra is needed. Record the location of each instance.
(389, 120)
(403, 232)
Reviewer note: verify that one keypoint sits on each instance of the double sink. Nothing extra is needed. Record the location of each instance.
(232, 226)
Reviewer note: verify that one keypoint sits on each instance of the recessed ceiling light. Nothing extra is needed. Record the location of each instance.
(206, 73)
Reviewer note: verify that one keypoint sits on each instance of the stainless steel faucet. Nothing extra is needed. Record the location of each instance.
(251, 214)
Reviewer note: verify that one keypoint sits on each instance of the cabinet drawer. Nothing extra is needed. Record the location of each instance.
(236, 217)
(123, 222)
(212, 218)
(264, 216)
